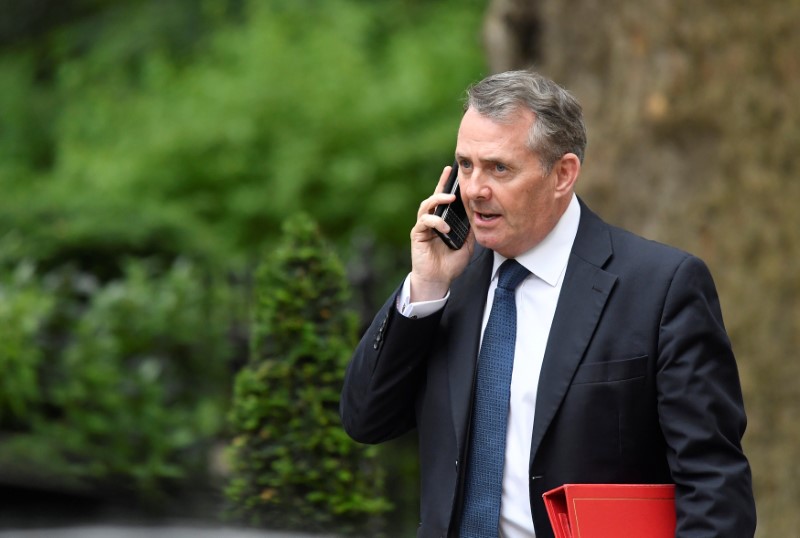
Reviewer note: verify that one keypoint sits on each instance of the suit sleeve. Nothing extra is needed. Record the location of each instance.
(701, 410)
(385, 374)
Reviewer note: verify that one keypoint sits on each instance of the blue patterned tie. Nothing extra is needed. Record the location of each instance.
(484, 478)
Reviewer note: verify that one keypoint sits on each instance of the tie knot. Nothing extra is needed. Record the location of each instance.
(512, 273)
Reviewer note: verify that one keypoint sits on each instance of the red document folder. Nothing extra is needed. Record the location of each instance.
(612, 510)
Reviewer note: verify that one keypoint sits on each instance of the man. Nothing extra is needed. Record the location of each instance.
(619, 369)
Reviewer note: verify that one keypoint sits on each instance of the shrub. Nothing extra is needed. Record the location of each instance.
(24, 307)
(133, 389)
(293, 465)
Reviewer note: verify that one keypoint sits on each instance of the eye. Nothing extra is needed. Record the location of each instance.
(464, 164)
(500, 167)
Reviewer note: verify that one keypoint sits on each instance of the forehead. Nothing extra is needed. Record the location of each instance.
(479, 135)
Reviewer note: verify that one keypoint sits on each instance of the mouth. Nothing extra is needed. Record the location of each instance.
(485, 217)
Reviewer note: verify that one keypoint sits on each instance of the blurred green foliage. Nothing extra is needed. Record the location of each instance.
(123, 386)
(134, 144)
(23, 307)
(149, 154)
(293, 465)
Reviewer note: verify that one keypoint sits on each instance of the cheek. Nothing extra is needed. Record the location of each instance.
(530, 205)
(525, 201)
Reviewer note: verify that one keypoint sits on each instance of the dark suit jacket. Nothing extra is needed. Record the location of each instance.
(638, 385)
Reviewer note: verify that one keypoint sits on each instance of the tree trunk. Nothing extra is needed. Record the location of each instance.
(693, 135)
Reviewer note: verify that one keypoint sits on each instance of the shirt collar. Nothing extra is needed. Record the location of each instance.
(548, 260)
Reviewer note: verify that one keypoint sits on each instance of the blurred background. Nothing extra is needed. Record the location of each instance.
(151, 152)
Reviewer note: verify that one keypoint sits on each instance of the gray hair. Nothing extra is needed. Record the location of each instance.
(558, 126)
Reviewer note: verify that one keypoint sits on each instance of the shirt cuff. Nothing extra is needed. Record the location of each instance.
(419, 309)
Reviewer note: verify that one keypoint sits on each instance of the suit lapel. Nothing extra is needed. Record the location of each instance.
(583, 296)
(468, 298)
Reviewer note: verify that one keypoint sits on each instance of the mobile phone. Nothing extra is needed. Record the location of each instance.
(453, 214)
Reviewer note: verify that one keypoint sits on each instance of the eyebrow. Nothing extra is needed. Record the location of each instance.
(490, 160)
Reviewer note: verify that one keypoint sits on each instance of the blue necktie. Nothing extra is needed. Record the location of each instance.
(484, 474)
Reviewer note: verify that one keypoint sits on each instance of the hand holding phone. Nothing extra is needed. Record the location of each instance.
(454, 214)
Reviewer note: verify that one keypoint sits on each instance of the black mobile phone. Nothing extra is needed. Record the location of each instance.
(453, 214)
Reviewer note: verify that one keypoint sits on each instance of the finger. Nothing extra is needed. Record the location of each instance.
(438, 197)
(425, 226)
(428, 205)
(443, 179)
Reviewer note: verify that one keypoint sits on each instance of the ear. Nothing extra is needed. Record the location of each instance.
(566, 171)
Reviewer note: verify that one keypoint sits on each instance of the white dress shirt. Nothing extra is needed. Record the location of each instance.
(536, 299)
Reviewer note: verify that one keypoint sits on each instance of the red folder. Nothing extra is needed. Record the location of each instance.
(612, 510)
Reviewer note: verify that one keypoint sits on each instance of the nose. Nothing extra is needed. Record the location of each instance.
(473, 186)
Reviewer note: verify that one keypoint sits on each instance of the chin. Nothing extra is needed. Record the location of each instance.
(503, 248)
(487, 241)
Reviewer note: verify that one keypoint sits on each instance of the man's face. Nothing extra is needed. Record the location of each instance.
(511, 205)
